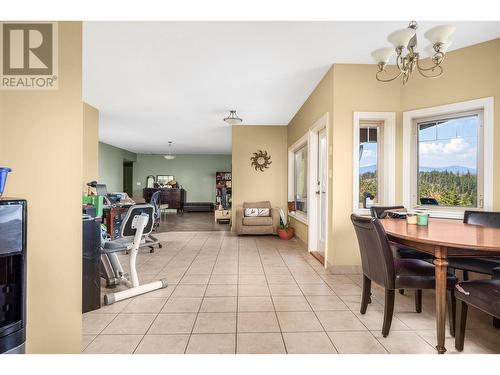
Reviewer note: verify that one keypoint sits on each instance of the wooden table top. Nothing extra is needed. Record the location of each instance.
(445, 232)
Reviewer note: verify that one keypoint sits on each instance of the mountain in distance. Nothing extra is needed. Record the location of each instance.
(456, 169)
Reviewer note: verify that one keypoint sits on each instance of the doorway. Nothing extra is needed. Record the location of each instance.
(318, 186)
(128, 172)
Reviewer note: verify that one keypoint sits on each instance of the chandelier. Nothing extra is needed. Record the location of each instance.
(405, 40)
(169, 156)
(233, 118)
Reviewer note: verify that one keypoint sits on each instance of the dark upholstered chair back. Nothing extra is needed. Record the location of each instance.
(376, 255)
(484, 218)
(378, 211)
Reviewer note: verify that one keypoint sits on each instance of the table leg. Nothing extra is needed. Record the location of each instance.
(441, 264)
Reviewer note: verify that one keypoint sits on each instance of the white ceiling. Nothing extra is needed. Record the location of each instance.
(159, 81)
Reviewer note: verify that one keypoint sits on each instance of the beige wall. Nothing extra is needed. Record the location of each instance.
(317, 104)
(90, 145)
(41, 139)
(251, 185)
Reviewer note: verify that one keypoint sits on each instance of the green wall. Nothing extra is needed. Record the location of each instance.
(196, 173)
(111, 165)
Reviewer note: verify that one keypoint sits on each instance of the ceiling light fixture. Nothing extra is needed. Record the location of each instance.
(169, 156)
(233, 118)
(407, 38)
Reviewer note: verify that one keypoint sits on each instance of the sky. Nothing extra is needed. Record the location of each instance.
(453, 143)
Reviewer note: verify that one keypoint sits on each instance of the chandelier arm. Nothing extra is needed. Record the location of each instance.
(424, 73)
(436, 63)
(388, 79)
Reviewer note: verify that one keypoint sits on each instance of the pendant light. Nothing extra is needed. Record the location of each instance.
(233, 118)
(169, 156)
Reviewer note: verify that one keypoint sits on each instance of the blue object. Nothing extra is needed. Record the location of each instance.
(4, 171)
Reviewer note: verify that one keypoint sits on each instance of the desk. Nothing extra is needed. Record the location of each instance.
(175, 198)
(444, 239)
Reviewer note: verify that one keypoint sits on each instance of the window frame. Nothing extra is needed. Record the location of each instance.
(302, 142)
(386, 160)
(483, 107)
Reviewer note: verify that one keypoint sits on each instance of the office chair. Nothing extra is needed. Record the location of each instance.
(155, 202)
(135, 230)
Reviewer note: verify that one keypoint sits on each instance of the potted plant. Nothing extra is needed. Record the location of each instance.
(284, 231)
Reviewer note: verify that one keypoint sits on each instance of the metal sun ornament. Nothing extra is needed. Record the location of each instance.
(260, 160)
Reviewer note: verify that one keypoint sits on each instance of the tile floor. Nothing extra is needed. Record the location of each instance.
(231, 294)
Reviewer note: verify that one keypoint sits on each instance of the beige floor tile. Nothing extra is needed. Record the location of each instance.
(308, 343)
(308, 279)
(260, 343)
(252, 279)
(404, 342)
(215, 323)
(195, 279)
(337, 279)
(340, 321)
(279, 270)
(145, 305)
(224, 279)
(129, 324)
(374, 320)
(163, 344)
(257, 322)
(178, 323)
(250, 270)
(219, 304)
(115, 308)
(316, 290)
(291, 303)
(113, 344)
(93, 323)
(298, 321)
(346, 289)
(280, 279)
(248, 304)
(354, 303)
(284, 290)
(212, 343)
(222, 290)
(86, 340)
(485, 341)
(326, 303)
(253, 290)
(189, 290)
(356, 342)
(416, 321)
(182, 305)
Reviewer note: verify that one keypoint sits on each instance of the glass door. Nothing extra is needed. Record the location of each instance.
(321, 191)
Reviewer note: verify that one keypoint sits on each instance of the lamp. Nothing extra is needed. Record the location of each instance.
(169, 156)
(233, 118)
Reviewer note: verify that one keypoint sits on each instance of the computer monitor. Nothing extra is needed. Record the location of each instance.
(101, 190)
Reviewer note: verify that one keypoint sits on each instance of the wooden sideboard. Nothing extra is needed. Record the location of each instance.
(175, 198)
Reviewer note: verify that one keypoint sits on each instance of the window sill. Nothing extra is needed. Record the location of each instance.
(362, 211)
(299, 217)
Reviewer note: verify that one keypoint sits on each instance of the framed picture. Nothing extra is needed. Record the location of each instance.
(162, 180)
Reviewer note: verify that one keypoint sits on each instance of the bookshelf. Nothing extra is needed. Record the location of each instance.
(223, 189)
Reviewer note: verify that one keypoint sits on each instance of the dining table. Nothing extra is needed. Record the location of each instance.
(443, 239)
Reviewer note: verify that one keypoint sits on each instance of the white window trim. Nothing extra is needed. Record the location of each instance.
(484, 104)
(388, 198)
(304, 140)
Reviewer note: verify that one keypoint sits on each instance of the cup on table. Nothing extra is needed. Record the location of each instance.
(411, 218)
(423, 218)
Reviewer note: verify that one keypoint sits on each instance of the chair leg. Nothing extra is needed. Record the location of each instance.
(465, 275)
(461, 320)
(496, 322)
(366, 299)
(452, 310)
(402, 292)
(418, 300)
(388, 311)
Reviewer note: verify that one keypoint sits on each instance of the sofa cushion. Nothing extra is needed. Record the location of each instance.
(258, 220)
(251, 212)
(263, 204)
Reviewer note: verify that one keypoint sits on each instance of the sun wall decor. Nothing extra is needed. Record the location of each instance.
(260, 160)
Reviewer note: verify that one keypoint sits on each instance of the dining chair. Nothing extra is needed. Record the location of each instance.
(382, 267)
(481, 294)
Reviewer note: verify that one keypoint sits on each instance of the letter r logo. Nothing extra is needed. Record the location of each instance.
(27, 49)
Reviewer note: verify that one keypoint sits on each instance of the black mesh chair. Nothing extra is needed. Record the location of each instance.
(382, 267)
(481, 294)
(155, 202)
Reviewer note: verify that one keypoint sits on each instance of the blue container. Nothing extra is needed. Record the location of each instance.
(4, 171)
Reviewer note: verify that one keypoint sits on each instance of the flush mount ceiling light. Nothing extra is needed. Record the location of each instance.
(169, 156)
(407, 39)
(233, 118)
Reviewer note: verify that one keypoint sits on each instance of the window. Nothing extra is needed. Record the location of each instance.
(370, 136)
(448, 158)
(300, 179)
(374, 139)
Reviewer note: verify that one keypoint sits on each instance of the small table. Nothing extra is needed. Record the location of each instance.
(222, 215)
(444, 239)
